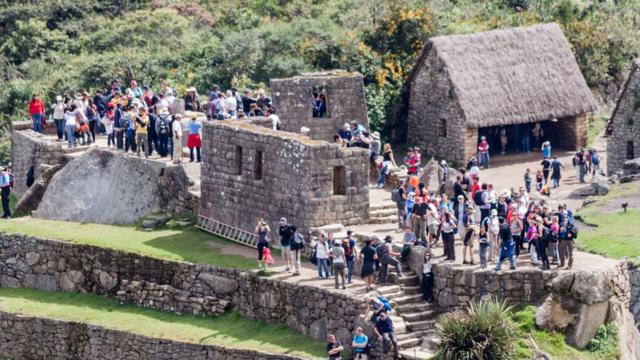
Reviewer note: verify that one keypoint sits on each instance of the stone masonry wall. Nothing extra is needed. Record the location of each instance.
(634, 281)
(345, 102)
(55, 265)
(626, 123)
(24, 337)
(569, 133)
(297, 178)
(27, 150)
(432, 105)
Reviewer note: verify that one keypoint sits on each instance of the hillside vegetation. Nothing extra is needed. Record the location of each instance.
(62, 46)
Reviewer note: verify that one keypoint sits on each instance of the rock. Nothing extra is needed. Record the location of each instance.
(41, 282)
(30, 200)
(219, 284)
(631, 167)
(318, 329)
(589, 319)
(135, 181)
(32, 258)
(149, 224)
(71, 280)
(590, 288)
(107, 281)
(431, 175)
(9, 282)
(539, 355)
(599, 184)
(552, 316)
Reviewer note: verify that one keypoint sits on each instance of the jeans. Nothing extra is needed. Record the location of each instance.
(119, 137)
(402, 216)
(37, 122)
(533, 253)
(541, 250)
(556, 182)
(59, 128)
(92, 129)
(6, 209)
(163, 145)
(553, 248)
(583, 172)
(526, 147)
(380, 181)
(130, 140)
(322, 265)
(506, 253)
(111, 140)
(484, 159)
(197, 153)
(385, 268)
(71, 139)
(448, 241)
(390, 337)
(484, 247)
(350, 263)
(152, 143)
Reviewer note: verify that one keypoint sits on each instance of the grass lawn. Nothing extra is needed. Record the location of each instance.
(230, 330)
(613, 233)
(182, 244)
(596, 125)
(604, 348)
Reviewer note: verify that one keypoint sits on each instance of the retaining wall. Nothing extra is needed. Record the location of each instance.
(24, 337)
(175, 286)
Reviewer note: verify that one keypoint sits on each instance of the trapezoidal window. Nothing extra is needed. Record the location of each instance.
(319, 104)
(630, 151)
(257, 166)
(238, 163)
(443, 128)
(339, 180)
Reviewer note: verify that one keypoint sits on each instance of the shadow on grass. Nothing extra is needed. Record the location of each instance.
(229, 329)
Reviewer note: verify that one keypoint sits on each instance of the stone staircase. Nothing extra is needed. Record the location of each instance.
(384, 213)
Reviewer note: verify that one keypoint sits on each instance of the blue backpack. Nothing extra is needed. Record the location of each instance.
(385, 302)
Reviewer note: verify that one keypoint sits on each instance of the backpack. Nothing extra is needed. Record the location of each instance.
(385, 303)
(12, 179)
(595, 159)
(396, 196)
(312, 257)
(477, 197)
(298, 241)
(163, 128)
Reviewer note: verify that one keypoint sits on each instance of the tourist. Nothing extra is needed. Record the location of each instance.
(375, 146)
(321, 250)
(387, 257)
(595, 160)
(297, 245)
(426, 283)
(539, 180)
(119, 124)
(543, 243)
(91, 112)
(337, 255)
(130, 130)
(506, 247)
(556, 165)
(36, 113)
(409, 204)
(501, 205)
(70, 122)
(419, 219)
(176, 147)
(399, 197)
(163, 129)
(384, 168)
(376, 306)
(516, 227)
(286, 234)
(410, 163)
(581, 165)
(533, 237)
(230, 104)
(263, 231)
(546, 168)
(493, 226)
(367, 257)
(546, 150)
(135, 89)
(334, 348)
(537, 134)
(408, 240)
(554, 230)
(57, 114)
(483, 241)
(447, 227)
(459, 211)
(384, 330)
(349, 245)
(360, 344)
(387, 155)
(142, 124)
(470, 229)
(433, 223)
(263, 101)
(152, 135)
(194, 141)
(345, 133)
(5, 188)
(483, 152)
(568, 234)
(191, 101)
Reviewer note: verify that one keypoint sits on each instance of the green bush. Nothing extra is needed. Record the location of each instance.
(484, 331)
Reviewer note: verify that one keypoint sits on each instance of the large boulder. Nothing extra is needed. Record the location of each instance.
(104, 187)
(434, 179)
(30, 200)
(631, 167)
(599, 184)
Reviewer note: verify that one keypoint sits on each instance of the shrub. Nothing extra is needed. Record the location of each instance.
(484, 331)
(605, 343)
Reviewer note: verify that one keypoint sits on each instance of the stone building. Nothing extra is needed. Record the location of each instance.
(466, 86)
(251, 172)
(345, 102)
(624, 142)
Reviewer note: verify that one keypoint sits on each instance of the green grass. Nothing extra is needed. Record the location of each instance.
(603, 347)
(181, 243)
(230, 330)
(613, 234)
(596, 125)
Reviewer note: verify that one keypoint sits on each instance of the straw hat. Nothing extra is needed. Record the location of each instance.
(375, 135)
(192, 89)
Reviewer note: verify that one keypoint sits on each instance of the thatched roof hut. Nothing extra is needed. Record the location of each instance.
(500, 77)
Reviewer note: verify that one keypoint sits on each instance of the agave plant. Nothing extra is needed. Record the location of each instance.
(484, 331)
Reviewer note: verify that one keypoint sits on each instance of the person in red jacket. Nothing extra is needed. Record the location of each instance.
(36, 112)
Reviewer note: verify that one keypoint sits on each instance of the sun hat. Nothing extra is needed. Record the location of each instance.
(193, 116)
(58, 98)
(375, 135)
(191, 89)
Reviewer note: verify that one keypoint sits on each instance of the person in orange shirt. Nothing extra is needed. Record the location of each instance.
(36, 112)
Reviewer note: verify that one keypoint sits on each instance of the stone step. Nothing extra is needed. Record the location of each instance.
(408, 280)
(414, 307)
(419, 316)
(382, 213)
(383, 205)
(407, 299)
(389, 290)
(413, 334)
(422, 325)
(411, 290)
(431, 339)
(409, 343)
(392, 219)
(417, 353)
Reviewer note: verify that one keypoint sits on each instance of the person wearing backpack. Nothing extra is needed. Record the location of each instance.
(339, 262)
(386, 258)
(349, 245)
(320, 252)
(5, 188)
(360, 345)
(595, 161)
(398, 196)
(568, 233)
(163, 129)
(297, 245)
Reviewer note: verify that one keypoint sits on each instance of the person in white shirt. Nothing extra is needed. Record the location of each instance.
(322, 255)
(494, 231)
(426, 285)
(58, 117)
(176, 129)
(231, 104)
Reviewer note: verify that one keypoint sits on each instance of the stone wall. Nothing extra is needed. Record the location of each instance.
(432, 105)
(250, 172)
(626, 124)
(569, 133)
(55, 265)
(634, 282)
(25, 337)
(27, 150)
(345, 102)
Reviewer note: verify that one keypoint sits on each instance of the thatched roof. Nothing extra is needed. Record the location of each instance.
(513, 76)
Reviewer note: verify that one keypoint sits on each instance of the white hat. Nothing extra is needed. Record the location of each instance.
(192, 89)
(376, 135)
(443, 162)
(494, 212)
(58, 98)
(346, 126)
(164, 111)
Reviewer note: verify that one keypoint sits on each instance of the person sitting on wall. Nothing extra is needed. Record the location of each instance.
(263, 101)
(255, 110)
(345, 133)
(191, 101)
(384, 330)
(356, 129)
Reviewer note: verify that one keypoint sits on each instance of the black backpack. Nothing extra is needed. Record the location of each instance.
(163, 127)
(477, 197)
(396, 197)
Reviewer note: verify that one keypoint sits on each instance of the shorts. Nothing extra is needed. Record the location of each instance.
(433, 229)
(468, 237)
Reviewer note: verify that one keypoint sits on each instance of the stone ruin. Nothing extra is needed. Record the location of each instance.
(251, 172)
(345, 102)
